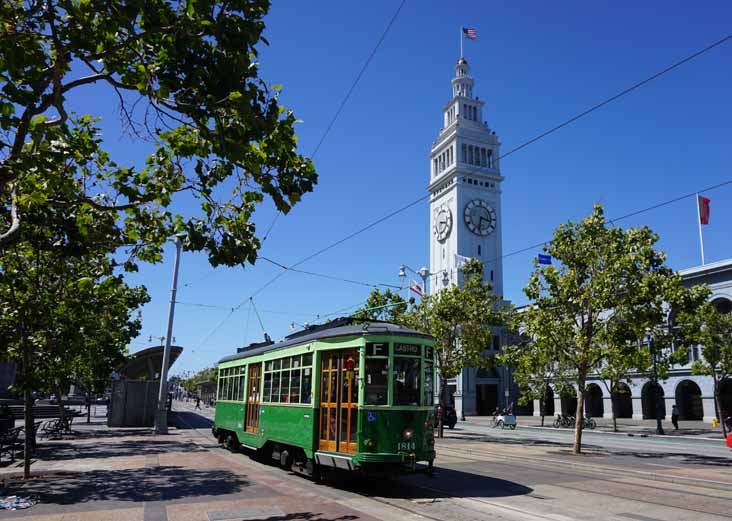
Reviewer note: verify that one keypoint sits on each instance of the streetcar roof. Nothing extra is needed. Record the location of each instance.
(303, 337)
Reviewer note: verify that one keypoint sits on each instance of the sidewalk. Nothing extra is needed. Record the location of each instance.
(101, 474)
(625, 426)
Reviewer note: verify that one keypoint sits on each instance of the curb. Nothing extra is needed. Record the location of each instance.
(697, 482)
(630, 434)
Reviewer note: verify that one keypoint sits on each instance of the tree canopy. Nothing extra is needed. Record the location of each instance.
(388, 306)
(185, 77)
(604, 277)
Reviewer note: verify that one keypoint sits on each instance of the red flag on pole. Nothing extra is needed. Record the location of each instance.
(704, 209)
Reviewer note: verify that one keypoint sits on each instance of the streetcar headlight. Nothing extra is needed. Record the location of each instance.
(368, 443)
(408, 433)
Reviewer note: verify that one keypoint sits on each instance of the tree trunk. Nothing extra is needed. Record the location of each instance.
(59, 402)
(580, 414)
(28, 414)
(612, 407)
(542, 406)
(441, 402)
(718, 403)
(88, 407)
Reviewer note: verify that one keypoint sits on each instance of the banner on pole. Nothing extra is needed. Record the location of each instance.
(704, 209)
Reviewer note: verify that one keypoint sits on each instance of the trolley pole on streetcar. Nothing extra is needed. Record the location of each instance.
(161, 418)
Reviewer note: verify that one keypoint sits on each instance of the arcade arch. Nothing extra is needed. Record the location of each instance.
(623, 401)
(689, 401)
(649, 394)
(593, 401)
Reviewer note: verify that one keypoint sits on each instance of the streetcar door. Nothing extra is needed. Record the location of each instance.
(252, 419)
(339, 401)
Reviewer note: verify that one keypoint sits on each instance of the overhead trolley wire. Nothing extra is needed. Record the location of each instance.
(513, 150)
(345, 99)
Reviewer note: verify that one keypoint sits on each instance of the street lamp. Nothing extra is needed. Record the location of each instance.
(657, 403)
(423, 272)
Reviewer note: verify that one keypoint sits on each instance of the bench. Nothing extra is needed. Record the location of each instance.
(10, 442)
(56, 428)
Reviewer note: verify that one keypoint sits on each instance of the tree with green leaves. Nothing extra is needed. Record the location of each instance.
(534, 366)
(601, 272)
(186, 78)
(388, 306)
(461, 320)
(712, 330)
(64, 310)
(209, 374)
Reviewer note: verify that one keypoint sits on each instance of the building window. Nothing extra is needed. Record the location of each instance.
(491, 275)
(479, 249)
(470, 154)
(483, 160)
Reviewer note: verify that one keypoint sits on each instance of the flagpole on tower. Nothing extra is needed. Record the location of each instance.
(461, 41)
(699, 221)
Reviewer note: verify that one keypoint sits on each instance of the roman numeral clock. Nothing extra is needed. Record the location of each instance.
(479, 217)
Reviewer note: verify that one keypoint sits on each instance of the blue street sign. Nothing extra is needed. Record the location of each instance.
(545, 259)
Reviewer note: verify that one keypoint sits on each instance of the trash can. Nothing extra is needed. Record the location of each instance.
(729, 440)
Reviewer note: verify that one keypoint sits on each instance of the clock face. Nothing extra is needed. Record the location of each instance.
(443, 223)
(480, 218)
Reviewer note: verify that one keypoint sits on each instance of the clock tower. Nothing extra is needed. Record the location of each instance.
(465, 219)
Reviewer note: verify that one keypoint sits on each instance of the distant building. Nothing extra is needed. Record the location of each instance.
(694, 395)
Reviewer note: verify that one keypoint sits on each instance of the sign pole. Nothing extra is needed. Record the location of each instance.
(161, 419)
(461, 41)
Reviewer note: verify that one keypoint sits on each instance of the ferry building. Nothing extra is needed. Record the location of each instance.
(466, 221)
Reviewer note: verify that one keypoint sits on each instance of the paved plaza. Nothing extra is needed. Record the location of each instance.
(483, 473)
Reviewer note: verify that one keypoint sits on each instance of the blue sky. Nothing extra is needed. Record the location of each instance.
(535, 65)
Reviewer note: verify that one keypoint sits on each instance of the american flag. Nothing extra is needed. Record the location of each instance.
(470, 33)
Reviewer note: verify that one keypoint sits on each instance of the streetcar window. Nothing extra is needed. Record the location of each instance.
(276, 364)
(406, 381)
(307, 360)
(234, 390)
(295, 362)
(295, 386)
(377, 381)
(241, 388)
(428, 390)
(285, 363)
(307, 385)
(275, 387)
(284, 387)
(429, 353)
(268, 366)
(267, 387)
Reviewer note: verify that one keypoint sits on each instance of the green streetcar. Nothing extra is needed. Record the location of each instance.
(349, 395)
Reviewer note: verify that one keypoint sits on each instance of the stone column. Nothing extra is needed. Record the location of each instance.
(607, 407)
(637, 407)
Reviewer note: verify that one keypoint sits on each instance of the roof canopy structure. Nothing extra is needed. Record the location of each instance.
(146, 364)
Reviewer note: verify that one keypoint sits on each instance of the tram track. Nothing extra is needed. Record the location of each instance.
(459, 506)
(654, 476)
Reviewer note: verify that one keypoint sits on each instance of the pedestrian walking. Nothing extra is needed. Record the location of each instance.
(198, 403)
(675, 417)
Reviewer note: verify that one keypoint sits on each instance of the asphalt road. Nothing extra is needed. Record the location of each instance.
(529, 474)
(598, 439)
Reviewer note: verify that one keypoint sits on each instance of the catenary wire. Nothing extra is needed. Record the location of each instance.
(513, 150)
(345, 100)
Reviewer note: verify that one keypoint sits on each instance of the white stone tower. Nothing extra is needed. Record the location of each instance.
(465, 188)
(465, 220)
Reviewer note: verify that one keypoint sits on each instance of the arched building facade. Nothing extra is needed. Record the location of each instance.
(693, 395)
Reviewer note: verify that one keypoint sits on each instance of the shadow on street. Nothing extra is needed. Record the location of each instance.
(135, 485)
(191, 420)
(444, 483)
(60, 451)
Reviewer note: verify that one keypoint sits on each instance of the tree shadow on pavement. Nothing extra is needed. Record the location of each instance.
(134, 485)
(306, 516)
(191, 420)
(62, 451)
(443, 483)
(683, 458)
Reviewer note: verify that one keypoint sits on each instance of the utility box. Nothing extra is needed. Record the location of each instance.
(133, 403)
